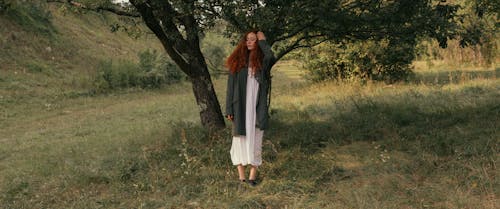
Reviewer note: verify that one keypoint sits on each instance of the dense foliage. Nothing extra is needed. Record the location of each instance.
(400, 31)
(366, 60)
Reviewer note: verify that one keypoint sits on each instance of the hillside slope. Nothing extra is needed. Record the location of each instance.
(38, 56)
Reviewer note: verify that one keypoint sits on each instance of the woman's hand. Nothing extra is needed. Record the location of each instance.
(230, 117)
(261, 36)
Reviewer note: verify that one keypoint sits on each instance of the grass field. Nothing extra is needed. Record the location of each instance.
(430, 143)
(425, 145)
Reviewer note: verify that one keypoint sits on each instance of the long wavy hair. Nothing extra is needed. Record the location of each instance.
(238, 59)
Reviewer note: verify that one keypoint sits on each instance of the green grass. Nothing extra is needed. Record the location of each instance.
(329, 146)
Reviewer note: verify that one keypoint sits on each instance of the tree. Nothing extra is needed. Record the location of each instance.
(288, 25)
(178, 25)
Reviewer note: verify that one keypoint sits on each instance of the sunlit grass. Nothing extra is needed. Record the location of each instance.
(330, 145)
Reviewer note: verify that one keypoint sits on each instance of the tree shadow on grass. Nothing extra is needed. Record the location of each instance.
(442, 127)
(414, 124)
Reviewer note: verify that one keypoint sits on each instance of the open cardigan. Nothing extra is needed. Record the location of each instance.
(236, 93)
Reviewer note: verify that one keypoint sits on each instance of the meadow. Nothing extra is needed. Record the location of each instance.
(431, 142)
(426, 144)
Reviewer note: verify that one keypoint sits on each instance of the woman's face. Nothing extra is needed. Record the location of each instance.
(251, 40)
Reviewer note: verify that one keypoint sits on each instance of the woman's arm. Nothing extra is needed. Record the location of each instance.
(266, 49)
(264, 46)
(269, 58)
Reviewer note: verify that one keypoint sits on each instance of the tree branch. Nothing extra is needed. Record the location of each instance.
(167, 15)
(297, 45)
(191, 27)
(114, 10)
(294, 33)
(147, 14)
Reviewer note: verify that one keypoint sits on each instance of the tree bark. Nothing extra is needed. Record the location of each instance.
(208, 104)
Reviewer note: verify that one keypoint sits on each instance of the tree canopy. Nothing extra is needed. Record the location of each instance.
(288, 25)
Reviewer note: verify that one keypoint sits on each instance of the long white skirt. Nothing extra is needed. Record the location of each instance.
(248, 149)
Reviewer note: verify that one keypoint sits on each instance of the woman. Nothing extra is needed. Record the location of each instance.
(246, 101)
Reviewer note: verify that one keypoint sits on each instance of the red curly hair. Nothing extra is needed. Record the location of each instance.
(238, 59)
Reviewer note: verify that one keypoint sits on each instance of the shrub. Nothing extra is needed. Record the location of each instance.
(152, 71)
(385, 60)
(4, 5)
(158, 70)
(31, 16)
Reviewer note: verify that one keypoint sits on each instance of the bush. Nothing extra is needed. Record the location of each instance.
(152, 71)
(158, 70)
(4, 5)
(30, 15)
(385, 60)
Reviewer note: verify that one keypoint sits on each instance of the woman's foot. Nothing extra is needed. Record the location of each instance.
(253, 176)
(252, 182)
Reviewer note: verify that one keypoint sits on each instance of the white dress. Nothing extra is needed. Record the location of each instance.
(247, 149)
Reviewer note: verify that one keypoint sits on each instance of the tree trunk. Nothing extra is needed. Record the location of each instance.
(208, 104)
(186, 53)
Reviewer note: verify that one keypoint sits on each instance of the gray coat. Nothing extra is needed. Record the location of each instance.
(236, 93)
